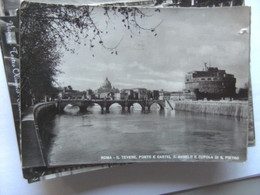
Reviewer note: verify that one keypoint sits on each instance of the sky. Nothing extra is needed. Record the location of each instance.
(185, 39)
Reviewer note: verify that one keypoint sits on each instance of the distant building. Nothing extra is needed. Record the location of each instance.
(242, 94)
(164, 95)
(155, 94)
(119, 96)
(140, 93)
(210, 83)
(90, 94)
(106, 90)
(69, 93)
(177, 95)
(128, 93)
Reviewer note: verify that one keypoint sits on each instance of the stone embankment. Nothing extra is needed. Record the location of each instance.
(44, 110)
(237, 109)
(32, 144)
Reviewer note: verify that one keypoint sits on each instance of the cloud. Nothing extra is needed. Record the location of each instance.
(186, 39)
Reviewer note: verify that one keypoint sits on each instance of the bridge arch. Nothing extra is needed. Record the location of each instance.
(131, 104)
(115, 103)
(156, 103)
(72, 108)
(96, 104)
(62, 105)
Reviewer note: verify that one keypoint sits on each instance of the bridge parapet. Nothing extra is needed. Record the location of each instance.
(105, 104)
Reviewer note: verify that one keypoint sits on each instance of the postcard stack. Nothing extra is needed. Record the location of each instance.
(99, 84)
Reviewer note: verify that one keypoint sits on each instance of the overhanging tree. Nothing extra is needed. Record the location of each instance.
(47, 29)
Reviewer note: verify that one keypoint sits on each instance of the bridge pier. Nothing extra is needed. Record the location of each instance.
(58, 106)
(83, 108)
(128, 108)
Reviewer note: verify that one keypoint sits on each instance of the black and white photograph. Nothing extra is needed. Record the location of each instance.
(111, 84)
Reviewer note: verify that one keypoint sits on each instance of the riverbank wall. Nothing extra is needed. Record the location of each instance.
(31, 149)
(33, 137)
(237, 109)
(44, 112)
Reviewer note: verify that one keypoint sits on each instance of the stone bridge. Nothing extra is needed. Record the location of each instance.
(105, 104)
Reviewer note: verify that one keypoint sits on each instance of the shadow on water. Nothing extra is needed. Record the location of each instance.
(47, 132)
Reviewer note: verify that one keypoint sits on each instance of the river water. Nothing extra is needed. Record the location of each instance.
(122, 136)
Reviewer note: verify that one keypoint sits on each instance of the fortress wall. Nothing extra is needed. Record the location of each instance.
(228, 108)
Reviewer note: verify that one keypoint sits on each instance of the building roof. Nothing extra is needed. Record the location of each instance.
(106, 84)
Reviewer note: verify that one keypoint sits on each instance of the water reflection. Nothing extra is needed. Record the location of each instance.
(88, 135)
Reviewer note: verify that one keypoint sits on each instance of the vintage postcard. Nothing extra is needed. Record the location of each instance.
(121, 85)
(60, 170)
(55, 171)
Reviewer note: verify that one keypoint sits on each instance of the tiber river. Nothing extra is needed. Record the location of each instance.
(95, 137)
